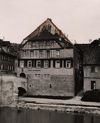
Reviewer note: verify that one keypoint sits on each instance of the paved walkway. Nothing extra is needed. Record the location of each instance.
(76, 101)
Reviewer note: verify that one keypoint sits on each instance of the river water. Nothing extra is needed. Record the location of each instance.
(8, 115)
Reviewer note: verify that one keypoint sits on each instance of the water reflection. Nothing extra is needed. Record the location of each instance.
(35, 116)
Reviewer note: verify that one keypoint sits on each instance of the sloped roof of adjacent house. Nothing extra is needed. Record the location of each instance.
(96, 42)
(91, 54)
(47, 30)
(7, 48)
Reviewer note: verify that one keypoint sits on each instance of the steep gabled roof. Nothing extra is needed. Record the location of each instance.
(47, 30)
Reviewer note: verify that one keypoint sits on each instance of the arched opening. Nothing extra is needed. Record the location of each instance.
(21, 91)
(23, 75)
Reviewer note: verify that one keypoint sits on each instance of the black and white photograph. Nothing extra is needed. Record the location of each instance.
(49, 61)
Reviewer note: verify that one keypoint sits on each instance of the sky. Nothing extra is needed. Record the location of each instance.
(78, 19)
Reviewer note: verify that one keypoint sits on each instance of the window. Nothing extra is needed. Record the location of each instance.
(1, 67)
(21, 64)
(68, 64)
(29, 64)
(57, 64)
(93, 85)
(32, 53)
(94, 69)
(38, 64)
(57, 53)
(41, 53)
(46, 63)
(48, 53)
(36, 53)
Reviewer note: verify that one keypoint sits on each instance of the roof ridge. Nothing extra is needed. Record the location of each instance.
(40, 27)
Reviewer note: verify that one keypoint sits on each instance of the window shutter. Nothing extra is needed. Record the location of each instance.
(49, 63)
(64, 63)
(18, 63)
(71, 63)
(60, 63)
(42, 63)
(54, 63)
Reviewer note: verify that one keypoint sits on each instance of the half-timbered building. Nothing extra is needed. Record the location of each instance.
(46, 60)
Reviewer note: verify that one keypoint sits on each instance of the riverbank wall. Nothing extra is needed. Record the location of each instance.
(9, 85)
(71, 105)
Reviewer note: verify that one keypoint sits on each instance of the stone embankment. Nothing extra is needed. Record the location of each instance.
(72, 105)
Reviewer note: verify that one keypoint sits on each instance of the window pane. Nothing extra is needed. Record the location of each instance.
(21, 64)
(93, 85)
(57, 63)
(38, 64)
(46, 64)
(68, 64)
(41, 53)
(29, 63)
(57, 53)
(92, 69)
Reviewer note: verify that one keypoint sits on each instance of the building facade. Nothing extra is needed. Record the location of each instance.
(46, 60)
(87, 66)
(7, 58)
(91, 66)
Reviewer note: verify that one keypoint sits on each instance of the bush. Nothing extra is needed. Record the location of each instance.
(93, 96)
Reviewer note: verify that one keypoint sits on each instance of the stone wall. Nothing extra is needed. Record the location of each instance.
(50, 81)
(91, 76)
(9, 88)
(53, 85)
(87, 83)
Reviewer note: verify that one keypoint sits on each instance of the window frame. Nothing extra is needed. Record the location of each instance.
(46, 64)
(37, 65)
(68, 64)
(21, 64)
(56, 64)
(28, 64)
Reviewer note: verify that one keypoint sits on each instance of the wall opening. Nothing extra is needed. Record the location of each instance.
(21, 91)
(23, 75)
(93, 85)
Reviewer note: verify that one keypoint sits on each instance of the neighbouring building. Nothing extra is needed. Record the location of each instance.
(91, 66)
(46, 60)
(87, 65)
(7, 57)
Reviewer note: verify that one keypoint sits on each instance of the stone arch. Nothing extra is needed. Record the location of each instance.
(22, 75)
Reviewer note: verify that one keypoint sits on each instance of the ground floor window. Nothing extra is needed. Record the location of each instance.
(93, 85)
